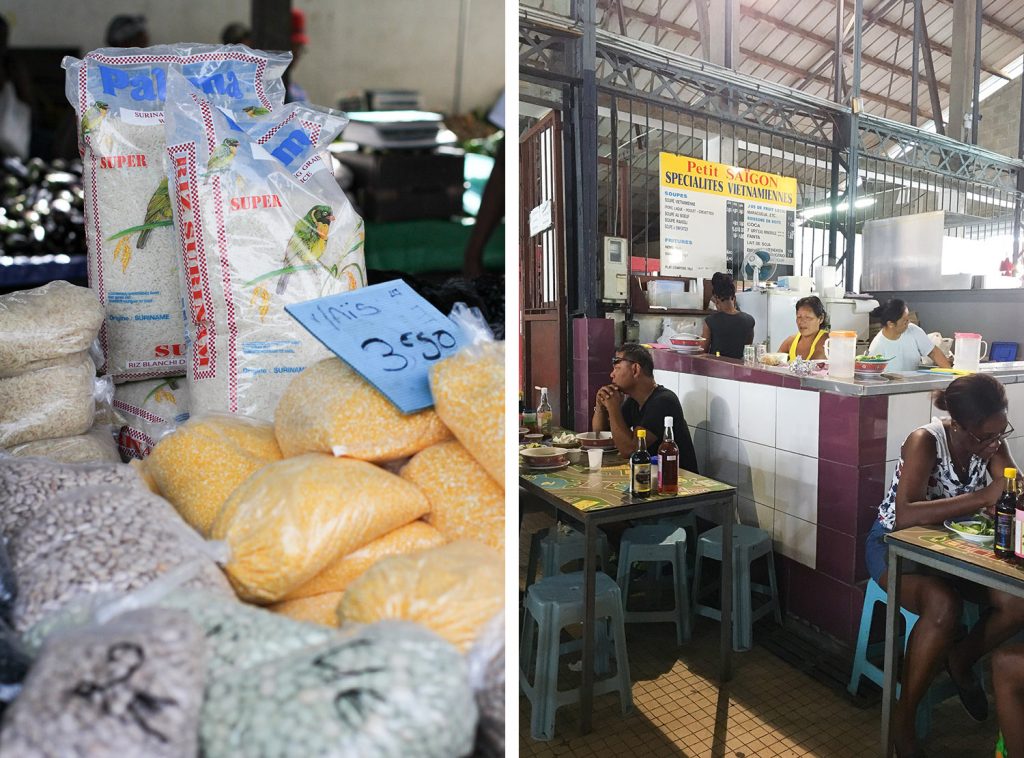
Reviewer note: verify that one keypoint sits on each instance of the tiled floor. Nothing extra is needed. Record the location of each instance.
(769, 709)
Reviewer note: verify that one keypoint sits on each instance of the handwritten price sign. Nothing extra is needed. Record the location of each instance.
(386, 332)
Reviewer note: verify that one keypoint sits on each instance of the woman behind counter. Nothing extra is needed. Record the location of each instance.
(904, 342)
(809, 341)
(728, 330)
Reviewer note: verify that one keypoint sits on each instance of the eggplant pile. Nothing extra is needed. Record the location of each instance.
(41, 207)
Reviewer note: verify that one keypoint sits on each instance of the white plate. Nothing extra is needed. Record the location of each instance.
(978, 539)
(555, 467)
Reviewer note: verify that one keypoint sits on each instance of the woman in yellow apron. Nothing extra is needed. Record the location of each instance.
(809, 341)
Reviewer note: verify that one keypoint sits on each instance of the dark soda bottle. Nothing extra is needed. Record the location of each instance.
(1006, 512)
(640, 467)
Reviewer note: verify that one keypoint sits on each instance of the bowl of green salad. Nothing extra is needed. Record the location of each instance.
(979, 529)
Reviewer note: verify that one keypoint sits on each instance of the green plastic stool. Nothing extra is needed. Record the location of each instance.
(657, 543)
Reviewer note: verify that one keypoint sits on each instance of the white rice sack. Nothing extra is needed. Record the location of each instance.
(41, 326)
(262, 224)
(150, 410)
(59, 401)
(119, 98)
(387, 690)
(130, 687)
(95, 446)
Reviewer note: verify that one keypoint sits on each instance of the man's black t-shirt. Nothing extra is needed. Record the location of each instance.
(662, 402)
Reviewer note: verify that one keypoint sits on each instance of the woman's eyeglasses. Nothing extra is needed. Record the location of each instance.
(992, 439)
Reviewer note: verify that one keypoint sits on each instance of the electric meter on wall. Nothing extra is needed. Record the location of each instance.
(615, 266)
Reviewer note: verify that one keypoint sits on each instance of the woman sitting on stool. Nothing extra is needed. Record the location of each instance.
(943, 473)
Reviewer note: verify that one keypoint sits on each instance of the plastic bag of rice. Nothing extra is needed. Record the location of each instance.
(465, 502)
(289, 520)
(469, 393)
(57, 401)
(102, 539)
(95, 446)
(149, 409)
(132, 686)
(453, 590)
(119, 96)
(338, 575)
(349, 418)
(389, 690)
(200, 463)
(39, 327)
(27, 485)
(261, 223)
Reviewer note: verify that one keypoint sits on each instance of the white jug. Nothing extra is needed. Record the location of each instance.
(841, 351)
(968, 351)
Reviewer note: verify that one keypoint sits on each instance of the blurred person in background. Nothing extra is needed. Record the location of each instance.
(236, 33)
(127, 31)
(727, 331)
(809, 340)
(904, 342)
(295, 93)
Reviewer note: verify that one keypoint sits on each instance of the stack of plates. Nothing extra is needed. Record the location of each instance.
(687, 350)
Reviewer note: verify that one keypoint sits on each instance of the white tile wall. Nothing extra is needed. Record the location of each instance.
(693, 395)
(723, 452)
(795, 538)
(723, 406)
(752, 514)
(757, 413)
(1016, 445)
(756, 472)
(796, 428)
(906, 413)
(1015, 413)
(668, 379)
(699, 435)
(796, 485)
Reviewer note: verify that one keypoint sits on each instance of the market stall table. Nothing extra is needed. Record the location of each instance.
(602, 497)
(941, 550)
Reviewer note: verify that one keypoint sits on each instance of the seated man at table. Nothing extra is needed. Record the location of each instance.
(634, 399)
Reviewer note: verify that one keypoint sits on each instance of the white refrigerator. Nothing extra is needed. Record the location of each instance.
(774, 313)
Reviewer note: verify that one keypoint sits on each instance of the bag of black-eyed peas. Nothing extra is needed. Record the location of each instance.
(262, 224)
(119, 96)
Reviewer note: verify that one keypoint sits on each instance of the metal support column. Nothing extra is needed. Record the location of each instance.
(851, 163)
(976, 88)
(1018, 210)
(914, 71)
(837, 69)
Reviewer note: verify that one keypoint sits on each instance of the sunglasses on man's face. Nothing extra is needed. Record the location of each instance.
(617, 361)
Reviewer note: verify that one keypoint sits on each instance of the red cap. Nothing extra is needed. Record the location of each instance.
(299, 28)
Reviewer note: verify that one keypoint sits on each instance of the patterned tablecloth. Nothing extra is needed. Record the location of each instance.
(941, 540)
(608, 488)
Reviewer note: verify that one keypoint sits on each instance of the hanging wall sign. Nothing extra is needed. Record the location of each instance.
(713, 214)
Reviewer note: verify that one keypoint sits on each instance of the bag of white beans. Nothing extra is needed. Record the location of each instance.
(119, 96)
(261, 224)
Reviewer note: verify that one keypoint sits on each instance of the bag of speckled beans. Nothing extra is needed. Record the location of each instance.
(262, 224)
(119, 97)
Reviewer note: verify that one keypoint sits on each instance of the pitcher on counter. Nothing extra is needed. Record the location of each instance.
(902, 341)
(809, 341)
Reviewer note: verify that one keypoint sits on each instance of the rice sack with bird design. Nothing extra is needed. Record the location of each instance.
(262, 224)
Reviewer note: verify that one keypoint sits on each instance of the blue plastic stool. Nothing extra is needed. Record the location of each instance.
(657, 543)
(863, 667)
(554, 550)
(749, 544)
(554, 603)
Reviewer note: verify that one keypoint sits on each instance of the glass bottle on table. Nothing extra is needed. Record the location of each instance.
(544, 413)
(668, 455)
(1018, 529)
(1006, 514)
(640, 467)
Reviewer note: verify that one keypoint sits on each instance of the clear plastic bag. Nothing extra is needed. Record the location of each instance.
(292, 518)
(59, 401)
(199, 464)
(119, 96)
(452, 590)
(42, 326)
(486, 661)
(263, 225)
(469, 393)
(95, 446)
(148, 410)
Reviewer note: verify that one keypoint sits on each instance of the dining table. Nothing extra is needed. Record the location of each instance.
(595, 498)
(942, 550)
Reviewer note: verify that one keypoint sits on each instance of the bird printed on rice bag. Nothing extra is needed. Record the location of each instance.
(221, 159)
(307, 243)
(93, 117)
(158, 210)
(256, 111)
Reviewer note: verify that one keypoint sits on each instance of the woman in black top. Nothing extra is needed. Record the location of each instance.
(727, 330)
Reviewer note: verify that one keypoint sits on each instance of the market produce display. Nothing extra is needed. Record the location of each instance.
(319, 609)
(146, 411)
(42, 207)
(349, 416)
(94, 446)
(453, 590)
(132, 687)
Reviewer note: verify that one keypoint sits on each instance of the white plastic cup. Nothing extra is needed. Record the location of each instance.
(594, 457)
